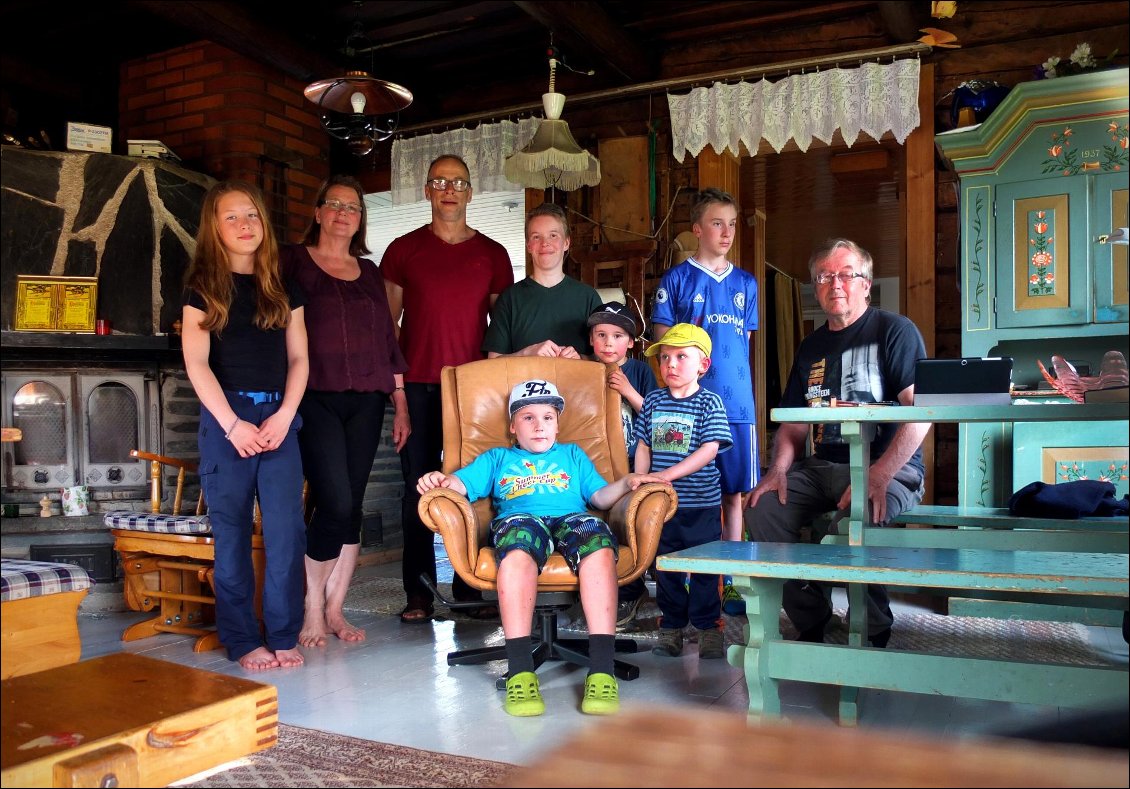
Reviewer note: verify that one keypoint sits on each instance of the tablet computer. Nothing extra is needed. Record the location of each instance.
(968, 381)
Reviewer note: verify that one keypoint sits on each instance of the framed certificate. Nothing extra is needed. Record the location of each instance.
(56, 303)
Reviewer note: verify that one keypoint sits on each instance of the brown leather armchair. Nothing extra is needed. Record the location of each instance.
(475, 418)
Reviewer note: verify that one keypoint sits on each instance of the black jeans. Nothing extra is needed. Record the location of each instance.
(339, 438)
(422, 454)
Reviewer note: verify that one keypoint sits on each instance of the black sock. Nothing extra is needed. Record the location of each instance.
(602, 650)
(520, 654)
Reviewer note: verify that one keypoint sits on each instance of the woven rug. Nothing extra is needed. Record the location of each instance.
(306, 757)
(1005, 639)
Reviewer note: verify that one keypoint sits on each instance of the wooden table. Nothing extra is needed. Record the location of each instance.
(131, 719)
(676, 746)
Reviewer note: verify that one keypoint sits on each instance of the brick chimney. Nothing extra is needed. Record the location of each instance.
(230, 117)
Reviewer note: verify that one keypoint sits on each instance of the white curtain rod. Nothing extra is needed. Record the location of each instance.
(676, 83)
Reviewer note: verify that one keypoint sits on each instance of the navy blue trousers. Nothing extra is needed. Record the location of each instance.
(230, 484)
(701, 605)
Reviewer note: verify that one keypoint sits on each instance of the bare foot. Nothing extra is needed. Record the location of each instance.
(343, 630)
(261, 659)
(289, 658)
(313, 633)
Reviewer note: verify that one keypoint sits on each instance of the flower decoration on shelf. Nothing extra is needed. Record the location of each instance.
(1082, 60)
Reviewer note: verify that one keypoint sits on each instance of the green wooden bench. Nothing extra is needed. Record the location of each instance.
(994, 529)
(760, 570)
(999, 518)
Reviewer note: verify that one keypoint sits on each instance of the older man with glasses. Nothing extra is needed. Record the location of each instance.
(441, 280)
(861, 355)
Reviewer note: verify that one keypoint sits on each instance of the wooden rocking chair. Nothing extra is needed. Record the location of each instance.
(168, 561)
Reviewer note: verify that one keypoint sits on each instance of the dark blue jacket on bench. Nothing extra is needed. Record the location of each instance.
(1069, 500)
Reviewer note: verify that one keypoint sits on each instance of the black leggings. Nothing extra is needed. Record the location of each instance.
(339, 438)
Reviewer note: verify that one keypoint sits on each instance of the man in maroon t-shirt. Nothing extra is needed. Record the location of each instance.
(441, 280)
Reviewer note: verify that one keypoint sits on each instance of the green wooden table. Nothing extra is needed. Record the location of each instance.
(857, 426)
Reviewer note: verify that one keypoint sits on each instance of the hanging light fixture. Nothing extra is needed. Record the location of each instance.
(552, 159)
(357, 108)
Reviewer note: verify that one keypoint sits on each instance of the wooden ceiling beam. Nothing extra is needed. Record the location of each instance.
(591, 34)
(688, 24)
(234, 27)
(384, 34)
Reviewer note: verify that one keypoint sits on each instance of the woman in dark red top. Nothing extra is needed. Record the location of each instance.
(355, 367)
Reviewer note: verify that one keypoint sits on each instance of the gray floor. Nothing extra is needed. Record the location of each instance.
(396, 687)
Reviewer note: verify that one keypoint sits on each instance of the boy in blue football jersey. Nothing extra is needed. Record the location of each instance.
(709, 291)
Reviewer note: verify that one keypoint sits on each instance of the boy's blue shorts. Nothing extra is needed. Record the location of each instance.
(575, 536)
(738, 466)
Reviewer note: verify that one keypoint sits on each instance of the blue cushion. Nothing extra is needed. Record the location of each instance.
(162, 524)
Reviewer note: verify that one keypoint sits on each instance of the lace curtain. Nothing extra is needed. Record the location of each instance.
(873, 98)
(483, 148)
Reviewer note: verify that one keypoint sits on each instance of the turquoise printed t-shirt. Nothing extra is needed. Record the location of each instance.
(559, 481)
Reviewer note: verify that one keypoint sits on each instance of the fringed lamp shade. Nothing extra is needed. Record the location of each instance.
(552, 158)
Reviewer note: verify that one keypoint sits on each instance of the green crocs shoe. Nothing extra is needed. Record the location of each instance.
(523, 698)
(732, 602)
(602, 695)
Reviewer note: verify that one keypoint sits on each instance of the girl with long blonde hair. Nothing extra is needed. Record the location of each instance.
(244, 342)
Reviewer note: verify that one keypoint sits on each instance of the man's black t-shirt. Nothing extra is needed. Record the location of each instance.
(870, 361)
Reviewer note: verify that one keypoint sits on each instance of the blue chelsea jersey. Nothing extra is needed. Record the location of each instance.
(725, 305)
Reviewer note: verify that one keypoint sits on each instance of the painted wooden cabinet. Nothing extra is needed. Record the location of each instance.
(1044, 181)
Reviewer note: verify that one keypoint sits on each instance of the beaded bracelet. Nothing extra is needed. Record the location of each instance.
(230, 429)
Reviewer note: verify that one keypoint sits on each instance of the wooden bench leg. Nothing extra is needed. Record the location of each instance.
(763, 610)
(857, 636)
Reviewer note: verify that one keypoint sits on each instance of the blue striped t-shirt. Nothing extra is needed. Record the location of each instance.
(673, 429)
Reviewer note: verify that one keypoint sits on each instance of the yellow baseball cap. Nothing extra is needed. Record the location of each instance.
(682, 335)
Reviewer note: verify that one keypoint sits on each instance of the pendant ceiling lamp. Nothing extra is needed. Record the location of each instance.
(552, 159)
(358, 109)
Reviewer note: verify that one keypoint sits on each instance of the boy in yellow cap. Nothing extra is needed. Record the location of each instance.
(680, 431)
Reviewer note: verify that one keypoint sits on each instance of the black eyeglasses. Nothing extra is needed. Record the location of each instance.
(336, 205)
(845, 277)
(441, 184)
